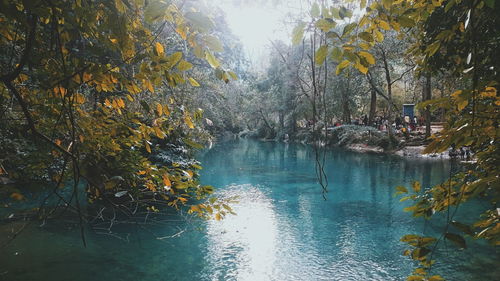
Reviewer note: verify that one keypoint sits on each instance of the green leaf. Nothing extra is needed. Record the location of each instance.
(463, 227)
(214, 63)
(490, 3)
(200, 21)
(213, 43)
(184, 65)
(457, 239)
(173, 59)
(433, 48)
(366, 36)
(348, 28)
(298, 33)
(337, 54)
(387, 3)
(405, 21)
(155, 10)
(321, 54)
(325, 24)
(315, 10)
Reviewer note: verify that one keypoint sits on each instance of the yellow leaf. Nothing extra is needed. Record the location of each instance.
(166, 181)
(214, 63)
(489, 92)
(379, 36)
(159, 133)
(148, 148)
(188, 121)
(147, 85)
(193, 82)
(166, 111)
(159, 48)
(384, 25)
(369, 57)
(17, 196)
(363, 69)
(159, 109)
(342, 65)
(462, 104)
(218, 216)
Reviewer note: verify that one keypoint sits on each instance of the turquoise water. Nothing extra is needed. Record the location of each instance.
(284, 230)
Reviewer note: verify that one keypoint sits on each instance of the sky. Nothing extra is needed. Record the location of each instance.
(256, 23)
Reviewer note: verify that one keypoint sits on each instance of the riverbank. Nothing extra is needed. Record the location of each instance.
(362, 139)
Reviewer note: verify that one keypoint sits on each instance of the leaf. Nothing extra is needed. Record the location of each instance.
(362, 4)
(145, 106)
(341, 66)
(159, 109)
(401, 189)
(436, 278)
(193, 82)
(348, 28)
(369, 57)
(159, 133)
(166, 181)
(363, 69)
(121, 193)
(321, 54)
(184, 65)
(366, 36)
(233, 75)
(148, 148)
(337, 54)
(218, 216)
(17, 196)
(463, 227)
(298, 33)
(200, 20)
(384, 25)
(315, 12)
(189, 122)
(405, 21)
(379, 36)
(155, 10)
(490, 3)
(457, 239)
(325, 25)
(173, 59)
(462, 104)
(214, 63)
(416, 186)
(159, 48)
(213, 43)
(433, 48)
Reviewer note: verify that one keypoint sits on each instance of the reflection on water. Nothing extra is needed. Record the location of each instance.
(284, 230)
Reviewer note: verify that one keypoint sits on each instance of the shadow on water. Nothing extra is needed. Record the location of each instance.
(284, 230)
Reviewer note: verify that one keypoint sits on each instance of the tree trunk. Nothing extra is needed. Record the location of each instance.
(373, 107)
(389, 92)
(427, 95)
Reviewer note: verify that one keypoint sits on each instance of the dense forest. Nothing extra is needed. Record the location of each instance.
(104, 103)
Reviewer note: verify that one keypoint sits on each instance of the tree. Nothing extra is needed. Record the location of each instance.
(88, 82)
(467, 48)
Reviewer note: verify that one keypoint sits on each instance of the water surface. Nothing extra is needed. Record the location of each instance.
(284, 229)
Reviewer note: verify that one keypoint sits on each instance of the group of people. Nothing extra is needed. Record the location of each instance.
(464, 152)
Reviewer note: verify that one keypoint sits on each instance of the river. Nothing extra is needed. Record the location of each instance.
(283, 230)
